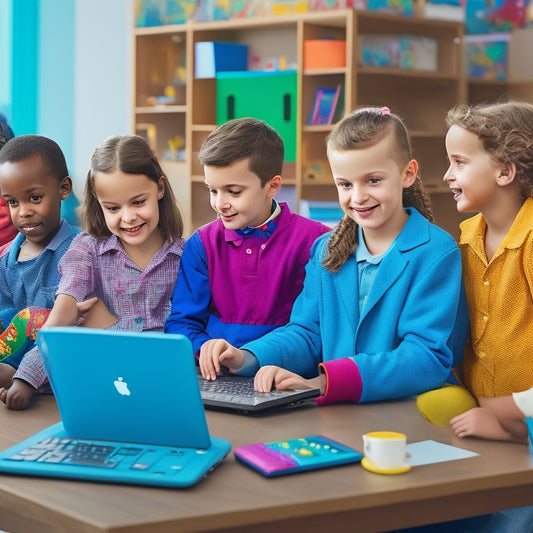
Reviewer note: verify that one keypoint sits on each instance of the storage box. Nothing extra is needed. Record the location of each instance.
(379, 50)
(418, 53)
(486, 56)
(163, 12)
(484, 17)
(287, 7)
(211, 58)
(329, 213)
(268, 96)
(394, 51)
(324, 53)
(397, 7)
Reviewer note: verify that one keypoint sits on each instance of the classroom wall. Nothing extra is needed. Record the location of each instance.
(103, 76)
(70, 73)
(5, 57)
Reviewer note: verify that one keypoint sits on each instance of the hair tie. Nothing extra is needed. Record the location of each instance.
(385, 111)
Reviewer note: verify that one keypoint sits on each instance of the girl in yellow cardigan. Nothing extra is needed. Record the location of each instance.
(490, 150)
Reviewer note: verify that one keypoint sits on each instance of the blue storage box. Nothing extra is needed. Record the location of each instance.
(486, 56)
(379, 50)
(211, 58)
(397, 7)
(483, 16)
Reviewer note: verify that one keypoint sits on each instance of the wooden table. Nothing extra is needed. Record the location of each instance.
(235, 498)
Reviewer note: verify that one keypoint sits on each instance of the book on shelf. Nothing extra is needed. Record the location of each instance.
(325, 105)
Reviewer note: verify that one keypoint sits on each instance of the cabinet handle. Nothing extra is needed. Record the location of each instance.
(287, 107)
(230, 101)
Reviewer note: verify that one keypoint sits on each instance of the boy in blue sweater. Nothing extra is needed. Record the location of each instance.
(33, 181)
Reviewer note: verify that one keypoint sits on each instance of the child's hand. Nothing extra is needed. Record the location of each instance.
(18, 396)
(488, 421)
(215, 352)
(94, 314)
(270, 376)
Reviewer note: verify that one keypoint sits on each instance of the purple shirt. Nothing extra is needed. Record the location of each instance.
(101, 267)
(238, 287)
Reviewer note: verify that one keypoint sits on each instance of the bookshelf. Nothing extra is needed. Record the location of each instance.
(420, 97)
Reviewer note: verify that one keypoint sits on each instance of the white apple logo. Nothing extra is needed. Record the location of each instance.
(122, 386)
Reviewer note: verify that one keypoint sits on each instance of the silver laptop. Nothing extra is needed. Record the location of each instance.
(236, 393)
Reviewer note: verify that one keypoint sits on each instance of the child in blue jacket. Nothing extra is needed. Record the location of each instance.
(382, 314)
(34, 181)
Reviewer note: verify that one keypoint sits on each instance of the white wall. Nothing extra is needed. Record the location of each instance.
(5, 59)
(103, 77)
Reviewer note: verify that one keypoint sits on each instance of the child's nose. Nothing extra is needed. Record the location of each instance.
(222, 202)
(447, 175)
(129, 215)
(358, 194)
(25, 209)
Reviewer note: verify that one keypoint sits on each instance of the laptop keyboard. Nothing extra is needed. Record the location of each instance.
(97, 454)
(231, 389)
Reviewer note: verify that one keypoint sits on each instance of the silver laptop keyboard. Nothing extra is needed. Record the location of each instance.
(231, 389)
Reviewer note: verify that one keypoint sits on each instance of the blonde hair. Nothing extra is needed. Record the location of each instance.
(362, 129)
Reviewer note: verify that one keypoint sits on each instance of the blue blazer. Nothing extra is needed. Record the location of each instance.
(413, 327)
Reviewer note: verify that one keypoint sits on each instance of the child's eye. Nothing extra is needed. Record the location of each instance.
(139, 202)
(35, 198)
(112, 209)
(234, 193)
(374, 181)
(11, 203)
(344, 185)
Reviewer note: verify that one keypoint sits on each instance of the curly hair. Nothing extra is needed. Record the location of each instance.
(364, 128)
(26, 146)
(505, 130)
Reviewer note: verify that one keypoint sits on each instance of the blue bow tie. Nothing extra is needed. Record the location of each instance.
(264, 231)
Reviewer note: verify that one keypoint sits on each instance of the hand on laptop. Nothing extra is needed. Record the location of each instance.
(274, 377)
(217, 352)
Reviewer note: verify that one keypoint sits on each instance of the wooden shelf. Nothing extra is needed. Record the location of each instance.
(420, 97)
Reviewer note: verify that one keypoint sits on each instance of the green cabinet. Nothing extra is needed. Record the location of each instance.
(269, 96)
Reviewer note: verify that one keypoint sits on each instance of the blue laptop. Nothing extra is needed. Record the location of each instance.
(131, 411)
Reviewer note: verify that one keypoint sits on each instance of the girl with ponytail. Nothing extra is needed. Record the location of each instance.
(382, 314)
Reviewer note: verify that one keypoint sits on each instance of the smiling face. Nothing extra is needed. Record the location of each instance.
(472, 175)
(370, 186)
(130, 206)
(237, 197)
(34, 198)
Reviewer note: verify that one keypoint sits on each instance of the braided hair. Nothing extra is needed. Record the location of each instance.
(361, 129)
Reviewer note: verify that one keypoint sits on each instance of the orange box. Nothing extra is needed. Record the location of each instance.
(324, 53)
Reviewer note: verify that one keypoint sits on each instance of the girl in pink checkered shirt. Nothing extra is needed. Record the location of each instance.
(119, 273)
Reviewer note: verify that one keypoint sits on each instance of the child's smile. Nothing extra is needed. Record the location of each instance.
(130, 206)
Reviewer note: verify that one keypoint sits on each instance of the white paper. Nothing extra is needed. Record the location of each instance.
(427, 452)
